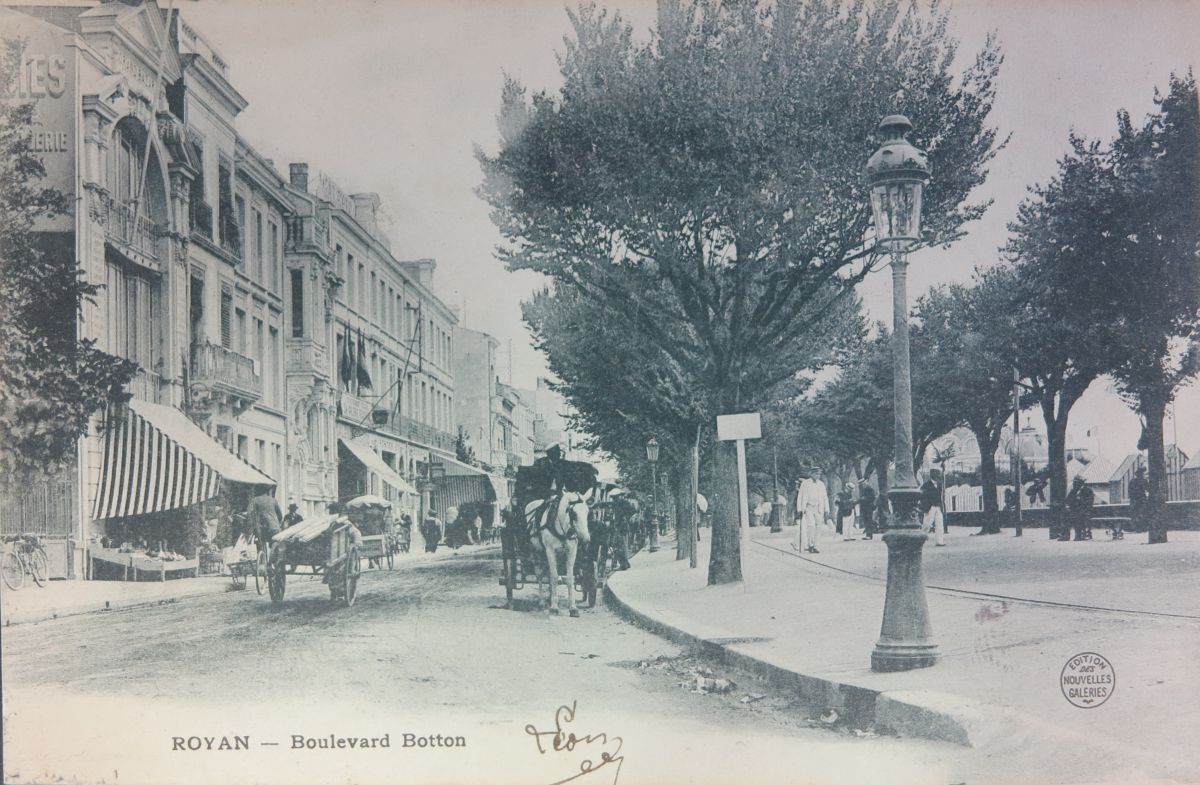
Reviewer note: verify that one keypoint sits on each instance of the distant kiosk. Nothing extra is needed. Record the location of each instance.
(738, 428)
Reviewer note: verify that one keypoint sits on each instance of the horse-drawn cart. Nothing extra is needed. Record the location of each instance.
(522, 547)
(330, 547)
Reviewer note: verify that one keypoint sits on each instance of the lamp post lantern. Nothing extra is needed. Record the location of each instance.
(652, 457)
(897, 173)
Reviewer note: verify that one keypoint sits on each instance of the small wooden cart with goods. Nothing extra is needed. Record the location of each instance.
(373, 517)
(330, 546)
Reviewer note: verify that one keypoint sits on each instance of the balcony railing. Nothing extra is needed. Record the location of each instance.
(131, 230)
(359, 412)
(224, 370)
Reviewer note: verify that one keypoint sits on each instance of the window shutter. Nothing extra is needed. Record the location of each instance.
(226, 320)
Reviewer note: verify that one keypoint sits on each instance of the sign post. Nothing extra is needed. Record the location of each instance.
(738, 428)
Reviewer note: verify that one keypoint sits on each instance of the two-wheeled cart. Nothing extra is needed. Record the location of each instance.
(328, 546)
(373, 517)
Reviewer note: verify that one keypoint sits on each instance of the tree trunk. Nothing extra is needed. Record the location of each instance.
(987, 476)
(1056, 450)
(725, 554)
(682, 482)
(693, 507)
(1156, 451)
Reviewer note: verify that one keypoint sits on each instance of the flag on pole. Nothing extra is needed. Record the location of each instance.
(346, 367)
(364, 376)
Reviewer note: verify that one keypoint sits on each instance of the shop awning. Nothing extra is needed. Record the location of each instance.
(157, 459)
(455, 491)
(374, 463)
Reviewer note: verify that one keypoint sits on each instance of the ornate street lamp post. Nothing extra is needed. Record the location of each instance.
(896, 173)
(652, 457)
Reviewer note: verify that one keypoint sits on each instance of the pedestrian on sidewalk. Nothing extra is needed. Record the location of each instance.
(845, 512)
(812, 503)
(866, 510)
(431, 530)
(1139, 504)
(931, 507)
(1079, 505)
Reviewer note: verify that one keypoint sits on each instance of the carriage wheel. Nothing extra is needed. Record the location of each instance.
(237, 575)
(276, 581)
(350, 578)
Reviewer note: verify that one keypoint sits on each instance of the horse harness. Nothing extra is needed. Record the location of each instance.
(547, 522)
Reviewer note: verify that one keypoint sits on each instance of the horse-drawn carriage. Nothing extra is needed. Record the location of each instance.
(543, 527)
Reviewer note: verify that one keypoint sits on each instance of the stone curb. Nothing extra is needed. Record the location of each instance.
(900, 713)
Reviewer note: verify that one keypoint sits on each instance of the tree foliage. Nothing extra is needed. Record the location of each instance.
(1109, 254)
(704, 187)
(50, 383)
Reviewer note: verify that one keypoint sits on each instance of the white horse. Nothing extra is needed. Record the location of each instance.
(559, 527)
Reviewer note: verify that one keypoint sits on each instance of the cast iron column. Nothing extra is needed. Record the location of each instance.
(906, 636)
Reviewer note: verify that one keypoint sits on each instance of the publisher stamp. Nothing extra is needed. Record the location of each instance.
(1088, 680)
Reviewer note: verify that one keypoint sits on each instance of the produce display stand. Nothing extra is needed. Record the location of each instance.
(330, 547)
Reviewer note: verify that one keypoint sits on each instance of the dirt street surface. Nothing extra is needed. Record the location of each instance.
(431, 675)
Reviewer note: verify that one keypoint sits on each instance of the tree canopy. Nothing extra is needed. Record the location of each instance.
(703, 188)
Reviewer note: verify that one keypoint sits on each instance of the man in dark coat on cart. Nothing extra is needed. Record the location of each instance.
(263, 514)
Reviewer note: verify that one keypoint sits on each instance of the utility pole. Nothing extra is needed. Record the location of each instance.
(1016, 391)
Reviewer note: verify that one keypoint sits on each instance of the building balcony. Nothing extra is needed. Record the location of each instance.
(225, 376)
(133, 235)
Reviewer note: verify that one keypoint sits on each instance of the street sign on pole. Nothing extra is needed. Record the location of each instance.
(738, 428)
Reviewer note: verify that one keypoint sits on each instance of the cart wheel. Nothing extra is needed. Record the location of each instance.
(13, 571)
(276, 581)
(350, 578)
(261, 568)
(237, 576)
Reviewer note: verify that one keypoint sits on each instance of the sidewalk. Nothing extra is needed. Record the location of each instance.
(810, 624)
(58, 599)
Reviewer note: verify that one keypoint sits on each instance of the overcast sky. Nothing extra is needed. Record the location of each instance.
(391, 96)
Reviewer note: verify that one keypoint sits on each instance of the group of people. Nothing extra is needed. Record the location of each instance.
(812, 509)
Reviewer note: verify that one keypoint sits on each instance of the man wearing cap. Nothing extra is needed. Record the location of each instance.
(263, 514)
(931, 507)
(293, 516)
(812, 503)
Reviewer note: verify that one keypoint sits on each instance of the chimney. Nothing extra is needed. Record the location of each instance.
(366, 211)
(421, 270)
(299, 176)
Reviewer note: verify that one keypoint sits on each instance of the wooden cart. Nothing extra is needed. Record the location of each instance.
(330, 547)
(373, 517)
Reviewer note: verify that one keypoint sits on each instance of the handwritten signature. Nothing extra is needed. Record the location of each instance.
(563, 740)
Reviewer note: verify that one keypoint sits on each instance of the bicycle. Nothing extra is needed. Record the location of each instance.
(25, 554)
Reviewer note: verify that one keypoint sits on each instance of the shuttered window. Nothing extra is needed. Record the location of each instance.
(297, 303)
(227, 319)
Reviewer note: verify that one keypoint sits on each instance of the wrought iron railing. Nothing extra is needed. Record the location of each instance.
(221, 368)
(127, 227)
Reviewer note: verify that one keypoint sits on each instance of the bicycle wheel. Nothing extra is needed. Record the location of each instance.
(39, 567)
(12, 570)
(260, 571)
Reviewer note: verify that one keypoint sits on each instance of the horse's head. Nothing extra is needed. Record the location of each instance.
(578, 512)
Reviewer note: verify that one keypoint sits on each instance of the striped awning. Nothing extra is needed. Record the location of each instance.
(157, 459)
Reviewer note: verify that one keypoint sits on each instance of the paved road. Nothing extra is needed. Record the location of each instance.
(425, 651)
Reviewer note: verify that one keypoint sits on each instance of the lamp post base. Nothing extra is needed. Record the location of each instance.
(906, 636)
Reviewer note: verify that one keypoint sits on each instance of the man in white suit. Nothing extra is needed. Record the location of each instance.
(812, 507)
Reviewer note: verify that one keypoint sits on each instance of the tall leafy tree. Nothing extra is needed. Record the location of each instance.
(969, 335)
(1152, 272)
(50, 382)
(1108, 256)
(704, 187)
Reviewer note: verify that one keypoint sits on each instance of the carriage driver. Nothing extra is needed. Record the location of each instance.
(549, 474)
